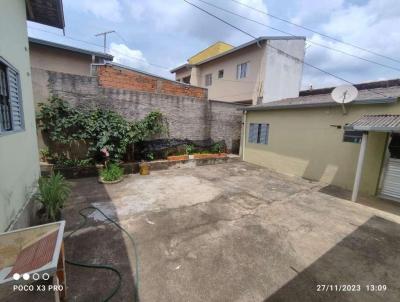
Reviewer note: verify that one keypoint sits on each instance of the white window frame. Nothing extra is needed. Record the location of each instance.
(207, 77)
(242, 70)
(16, 102)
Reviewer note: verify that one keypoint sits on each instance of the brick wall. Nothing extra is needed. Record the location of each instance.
(112, 76)
(188, 117)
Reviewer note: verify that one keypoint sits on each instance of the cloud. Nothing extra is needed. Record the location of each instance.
(127, 56)
(136, 59)
(178, 16)
(368, 26)
(110, 10)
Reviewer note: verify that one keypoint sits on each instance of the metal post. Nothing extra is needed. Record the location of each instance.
(104, 34)
(360, 165)
(244, 133)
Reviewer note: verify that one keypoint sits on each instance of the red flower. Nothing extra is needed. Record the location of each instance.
(105, 152)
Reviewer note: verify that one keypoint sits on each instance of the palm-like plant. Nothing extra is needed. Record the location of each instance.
(53, 191)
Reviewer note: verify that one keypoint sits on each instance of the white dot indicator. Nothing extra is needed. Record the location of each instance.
(25, 276)
(46, 276)
(16, 276)
(35, 276)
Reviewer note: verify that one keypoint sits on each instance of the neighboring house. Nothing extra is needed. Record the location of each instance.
(19, 160)
(310, 136)
(260, 71)
(64, 58)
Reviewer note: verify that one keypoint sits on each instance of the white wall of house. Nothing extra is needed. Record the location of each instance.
(283, 73)
(19, 164)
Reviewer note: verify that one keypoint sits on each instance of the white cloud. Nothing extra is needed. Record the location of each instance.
(110, 10)
(309, 10)
(178, 16)
(127, 56)
(136, 59)
(369, 26)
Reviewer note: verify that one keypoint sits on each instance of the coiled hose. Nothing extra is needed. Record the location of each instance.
(107, 267)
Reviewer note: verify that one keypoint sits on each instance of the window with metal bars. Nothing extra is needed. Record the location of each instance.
(351, 136)
(11, 118)
(259, 133)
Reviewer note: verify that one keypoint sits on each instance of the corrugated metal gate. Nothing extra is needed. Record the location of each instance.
(391, 181)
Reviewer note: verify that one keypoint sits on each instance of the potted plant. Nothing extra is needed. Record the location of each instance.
(53, 192)
(111, 172)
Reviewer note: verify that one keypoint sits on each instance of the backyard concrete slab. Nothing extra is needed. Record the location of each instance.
(231, 232)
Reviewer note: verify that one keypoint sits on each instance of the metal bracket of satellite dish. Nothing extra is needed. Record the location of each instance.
(344, 94)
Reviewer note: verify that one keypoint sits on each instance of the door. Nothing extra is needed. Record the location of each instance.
(391, 180)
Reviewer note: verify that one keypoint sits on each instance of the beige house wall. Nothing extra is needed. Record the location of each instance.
(230, 89)
(302, 142)
(54, 59)
(19, 159)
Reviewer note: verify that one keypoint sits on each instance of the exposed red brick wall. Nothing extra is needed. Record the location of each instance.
(119, 78)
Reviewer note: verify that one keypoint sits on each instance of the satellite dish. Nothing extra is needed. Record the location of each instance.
(344, 94)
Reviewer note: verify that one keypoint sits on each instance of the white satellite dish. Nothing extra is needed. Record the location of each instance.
(344, 94)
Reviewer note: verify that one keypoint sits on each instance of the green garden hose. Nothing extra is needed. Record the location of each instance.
(107, 267)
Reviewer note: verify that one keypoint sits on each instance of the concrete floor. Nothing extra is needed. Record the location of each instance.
(231, 232)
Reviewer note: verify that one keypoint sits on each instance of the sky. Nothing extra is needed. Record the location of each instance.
(158, 35)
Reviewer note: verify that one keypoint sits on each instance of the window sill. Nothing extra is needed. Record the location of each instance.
(6, 133)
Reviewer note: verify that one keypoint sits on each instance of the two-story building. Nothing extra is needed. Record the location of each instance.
(260, 71)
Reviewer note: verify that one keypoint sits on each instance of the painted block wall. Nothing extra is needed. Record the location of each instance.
(189, 117)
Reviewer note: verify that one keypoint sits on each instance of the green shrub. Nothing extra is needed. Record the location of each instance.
(150, 156)
(64, 162)
(99, 128)
(112, 172)
(217, 148)
(190, 149)
(53, 191)
(44, 154)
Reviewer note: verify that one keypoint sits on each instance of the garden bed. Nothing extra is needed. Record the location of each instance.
(133, 167)
(209, 155)
(178, 157)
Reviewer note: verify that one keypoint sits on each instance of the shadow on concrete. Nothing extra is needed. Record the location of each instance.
(368, 256)
(385, 205)
(97, 243)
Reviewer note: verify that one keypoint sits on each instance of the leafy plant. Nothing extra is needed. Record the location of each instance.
(150, 156)
(189, 149)
(53, 191)
(217, 148)
(112, 172)
(62, 162)
(44, 154)
(99, 128)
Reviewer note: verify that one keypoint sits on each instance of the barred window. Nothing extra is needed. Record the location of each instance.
(350, 136)
(11, 118)
(259, 133)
